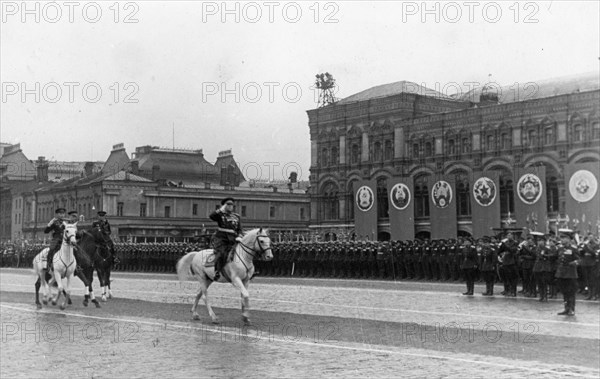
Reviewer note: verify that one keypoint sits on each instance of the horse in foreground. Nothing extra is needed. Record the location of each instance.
(64, 267)
(94, 255)
(238, 271)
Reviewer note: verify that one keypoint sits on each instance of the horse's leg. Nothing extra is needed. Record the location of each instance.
(67, 291)
(101, 279)
(86, 296)
(59, 283)
(108, 269)
(237, 282)
(38, 284)
(204, 288)
(195, 314)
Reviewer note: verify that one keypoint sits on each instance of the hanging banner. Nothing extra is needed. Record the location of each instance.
(485, 203)
(442, 207)
(401, 209)
(582, 200)
(530, 198)
(365, 210)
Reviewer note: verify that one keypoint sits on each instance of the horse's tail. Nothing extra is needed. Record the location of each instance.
(184, 266)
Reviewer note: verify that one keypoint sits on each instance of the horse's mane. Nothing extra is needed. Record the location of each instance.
(254, 232)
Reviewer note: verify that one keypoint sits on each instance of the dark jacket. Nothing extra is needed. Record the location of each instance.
(567, 262)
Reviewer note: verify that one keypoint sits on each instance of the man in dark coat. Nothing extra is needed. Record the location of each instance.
(489, 261)
(228, 232)
(104, 226)
(57, 227)
(566, 272)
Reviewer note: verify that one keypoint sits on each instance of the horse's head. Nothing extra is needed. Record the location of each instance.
(70, 234)
(260, 242)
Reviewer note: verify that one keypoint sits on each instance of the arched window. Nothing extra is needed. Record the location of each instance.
(463, 198)
(388, 150)
(382, 198)
(451, 149)
(507, 199)
(505, 141)
(415, 149)
(548, 135)
(377, 152)
(552, 194)
(578, 133)
(421, 197)
(531, 138)
(466, 145)
(428, 149)
(596, 130)
(489, 145)
(324, 157)
(334, 156)
(355, 154)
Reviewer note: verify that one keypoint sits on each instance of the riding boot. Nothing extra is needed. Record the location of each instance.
(472, 289)
(491, 289)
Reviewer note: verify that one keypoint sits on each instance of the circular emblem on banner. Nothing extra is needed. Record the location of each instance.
(583, 186)
(400, 196)
(529, 188)
(441, 194)
(484, 191)
(364, 198)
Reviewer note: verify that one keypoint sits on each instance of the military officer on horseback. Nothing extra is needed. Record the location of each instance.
(57, 227)
(104, 226)
(228, 232)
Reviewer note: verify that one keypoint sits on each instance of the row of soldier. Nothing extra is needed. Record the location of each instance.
(461, 259)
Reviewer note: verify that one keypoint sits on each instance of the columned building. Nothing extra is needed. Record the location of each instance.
(405, 130)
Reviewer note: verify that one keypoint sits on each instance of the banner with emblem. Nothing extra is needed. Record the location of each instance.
(582, 197)
(365, 210)
(485, 202)
(442, 207)
(530, 198)
(401, 209)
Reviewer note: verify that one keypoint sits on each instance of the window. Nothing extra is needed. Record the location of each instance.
(377, 153)
(324, 158)
(302, 214)
(428, 149)
(531, 138)
(388, 151)
(596, 130)
(451, 150)
(142, 209)
(119, 209)
(167, 211)
(505, 141)
(415, 150)
(243, 211)
(334, 156)
(549, 135)
(272, 211)
(329, 202)
(489, 144)
(194, 209)
(466, 145)
(355, 154)
(578, 133)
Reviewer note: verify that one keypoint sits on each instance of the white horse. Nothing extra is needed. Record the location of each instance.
(64, 266)
(200, 265)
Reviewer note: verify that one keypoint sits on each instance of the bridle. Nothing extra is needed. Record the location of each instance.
(250, 250)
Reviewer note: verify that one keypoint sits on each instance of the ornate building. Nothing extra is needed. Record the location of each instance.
(405, 130)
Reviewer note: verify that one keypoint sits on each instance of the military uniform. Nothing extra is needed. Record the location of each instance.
(488, 257)
(57, 228)
(509, 270)
(469, 267)
(224, 239)
(566, 272)
(542, 268)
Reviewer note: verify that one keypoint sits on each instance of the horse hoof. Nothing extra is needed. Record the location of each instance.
(39, 306)
(216, 322)
(196, 317)
(70, 302)
(104, 298)
(246, 320)
(54, 303)
(110, 296)
(45, 302)
(85, 303)
(97, 305)
(62, 307)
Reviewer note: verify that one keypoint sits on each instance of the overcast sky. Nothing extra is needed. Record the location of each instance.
(172, 66)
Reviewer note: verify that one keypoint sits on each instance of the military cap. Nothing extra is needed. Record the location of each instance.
(101, 213)
(566, 232)
(72, 213)
(60, 210)
(226, 200)
(538, 235)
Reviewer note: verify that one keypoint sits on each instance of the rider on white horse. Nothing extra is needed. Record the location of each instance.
(57, 228)
(228, 232)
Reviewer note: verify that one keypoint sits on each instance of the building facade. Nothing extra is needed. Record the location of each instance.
(388, 132)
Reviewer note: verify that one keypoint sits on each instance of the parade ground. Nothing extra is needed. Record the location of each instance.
(300, 328)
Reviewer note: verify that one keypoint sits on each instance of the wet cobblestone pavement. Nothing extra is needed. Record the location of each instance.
(301, 328)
